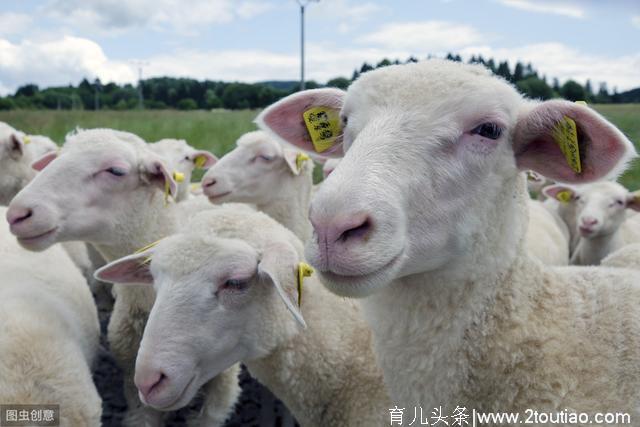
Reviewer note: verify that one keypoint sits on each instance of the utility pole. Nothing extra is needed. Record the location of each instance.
(303, 4)
(140, 64)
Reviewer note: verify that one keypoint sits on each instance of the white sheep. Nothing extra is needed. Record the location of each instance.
(426, 215)
(49, 333)
(626, 257)
(329, 166)
(108, 189)
(220, 288)
(601, 212)
(183, 158)
(17, 151)
(259, 171)
(547, 236)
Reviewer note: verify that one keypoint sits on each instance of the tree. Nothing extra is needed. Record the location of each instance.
(518, 72)
(572, 91)
(535, 88)
(27, 90)
(504, 71)
(212, 100)
(365, 67)
(339, 82)
(384, 63)
(187, 104)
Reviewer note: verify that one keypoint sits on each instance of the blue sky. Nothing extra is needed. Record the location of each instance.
(54, 42)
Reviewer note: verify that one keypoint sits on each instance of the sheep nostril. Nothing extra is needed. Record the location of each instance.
(19, 216)
(356, 232)
(209, 182)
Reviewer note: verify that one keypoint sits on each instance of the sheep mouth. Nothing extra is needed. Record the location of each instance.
(38, 237)
(218, 196)
(587, 232)
(176, 403)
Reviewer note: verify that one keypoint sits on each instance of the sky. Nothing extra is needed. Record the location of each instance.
(59, 42)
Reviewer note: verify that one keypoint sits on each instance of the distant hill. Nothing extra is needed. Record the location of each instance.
(632, 95)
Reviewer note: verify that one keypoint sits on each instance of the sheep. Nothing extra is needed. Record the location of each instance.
(49, 333)
(109, 189)
(17, 151)
(183, 158)
(329, 166)
(535, 184)
(601, 211)
(547, 236)
(626, 257)
(326, 374)
(426, 216)
(259, 171)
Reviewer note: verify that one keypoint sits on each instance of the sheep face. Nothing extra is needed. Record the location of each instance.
(183, 158)
(251, 172)
(600, 207)
(429, 150)
(216, 304)
(88, 191)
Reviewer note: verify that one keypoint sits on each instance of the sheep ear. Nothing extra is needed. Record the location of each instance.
(562, 193)
(633, 200)
(291, 158)
(203, 159)
(130, 269)
(569, 142)
(281, 258)
(43, 161)
(307, 120)
(156, 173)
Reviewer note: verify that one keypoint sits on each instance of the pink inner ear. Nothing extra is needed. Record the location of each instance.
(210, 158)
(284, 118)
(43, 161)
(553, 190)
(130, 270)
(602, 146)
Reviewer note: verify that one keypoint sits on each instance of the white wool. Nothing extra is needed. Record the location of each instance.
(48, 332)
(82, 200)
(547, 235)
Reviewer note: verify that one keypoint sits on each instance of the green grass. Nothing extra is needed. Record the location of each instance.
(217, 131)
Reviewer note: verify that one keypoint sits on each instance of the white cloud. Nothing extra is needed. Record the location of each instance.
(427, 36)
(57, 62)
(14, 23)
(564, 62)
(109, 16)
(347, 14)
(635, 20)
(556, 7)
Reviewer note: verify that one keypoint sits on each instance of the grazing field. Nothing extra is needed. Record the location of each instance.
(217, 130)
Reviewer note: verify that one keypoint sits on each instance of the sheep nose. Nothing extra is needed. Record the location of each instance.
(18, 214)
(589, 221)
(149, 382)
(209, 182)
(337, 232)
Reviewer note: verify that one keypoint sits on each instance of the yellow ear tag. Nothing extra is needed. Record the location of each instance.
(304, 270)
(566, 136)
(200, 161)
(300, 159)
(195, 186)
(323, 125)
(564, 196)
(581, 103)
(147, 260)
(26, 139)
(178, 176)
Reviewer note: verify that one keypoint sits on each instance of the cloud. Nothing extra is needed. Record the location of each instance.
(556, 8)
(635, 21)
(58, 62)
(427, 36)
(14, 23)
(116, 16)
(347, 15)
(564, 62)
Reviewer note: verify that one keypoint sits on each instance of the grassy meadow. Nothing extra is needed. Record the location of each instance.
(217, 130)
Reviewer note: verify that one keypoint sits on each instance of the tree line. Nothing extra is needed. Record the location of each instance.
(191, 94)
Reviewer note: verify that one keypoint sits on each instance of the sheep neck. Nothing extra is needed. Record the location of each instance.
(290, 205)
(592, 251)
(317, 374)
(452, 303)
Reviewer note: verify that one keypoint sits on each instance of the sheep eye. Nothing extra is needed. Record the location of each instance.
(236, 284)
(345, 121)
(488, 130)
(264, 157)
(620, 202)
(116, 171)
